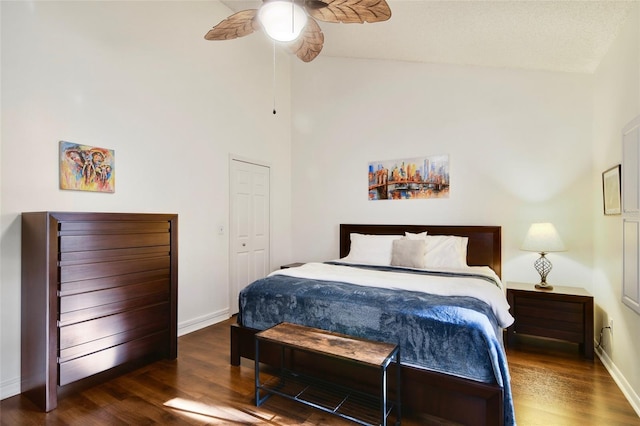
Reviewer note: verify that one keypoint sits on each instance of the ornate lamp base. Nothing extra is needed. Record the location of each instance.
(543, 266)
(544, 286)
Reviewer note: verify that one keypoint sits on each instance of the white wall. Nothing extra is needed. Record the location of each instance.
(616, 102)
(138, 77)
(518, 145)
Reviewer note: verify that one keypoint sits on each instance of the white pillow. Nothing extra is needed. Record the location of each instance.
(444, 251)
(371, 249)
(413, 236)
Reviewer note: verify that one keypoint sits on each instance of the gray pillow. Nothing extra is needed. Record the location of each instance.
(408, 253)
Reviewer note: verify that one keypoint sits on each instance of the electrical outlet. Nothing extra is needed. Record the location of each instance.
(611, 325)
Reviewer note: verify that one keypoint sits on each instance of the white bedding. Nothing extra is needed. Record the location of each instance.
(478, 288)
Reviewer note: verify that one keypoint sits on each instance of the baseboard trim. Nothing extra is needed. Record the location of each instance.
(9, 388)
(620, 380)
(195, 324)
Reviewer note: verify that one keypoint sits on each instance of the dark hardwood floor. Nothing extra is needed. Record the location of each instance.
(551, 384)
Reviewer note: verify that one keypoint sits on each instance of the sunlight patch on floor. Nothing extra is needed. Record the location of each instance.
(215, 414)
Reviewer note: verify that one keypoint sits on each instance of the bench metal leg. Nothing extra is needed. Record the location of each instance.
(259, 400)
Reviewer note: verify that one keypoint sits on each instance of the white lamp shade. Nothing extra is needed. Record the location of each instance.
(542, 238)
(282, 20)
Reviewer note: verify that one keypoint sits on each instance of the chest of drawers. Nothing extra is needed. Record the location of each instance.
(99, 290)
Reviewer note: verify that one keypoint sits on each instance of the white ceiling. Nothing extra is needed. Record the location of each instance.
(569, 35)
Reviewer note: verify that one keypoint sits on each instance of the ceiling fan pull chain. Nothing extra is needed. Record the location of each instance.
(293, 26)
(274, 77)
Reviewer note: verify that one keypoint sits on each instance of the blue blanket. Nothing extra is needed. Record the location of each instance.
(448, 334)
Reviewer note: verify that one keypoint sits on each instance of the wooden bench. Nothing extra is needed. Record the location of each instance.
(342, 401)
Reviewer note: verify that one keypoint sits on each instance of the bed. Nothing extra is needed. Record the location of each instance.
(453, 362)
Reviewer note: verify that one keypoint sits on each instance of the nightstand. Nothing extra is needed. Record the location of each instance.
(291, 265)
(564, 313)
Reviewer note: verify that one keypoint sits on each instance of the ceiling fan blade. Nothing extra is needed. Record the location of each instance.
(309, 44)
(237, 25)
(349, 11)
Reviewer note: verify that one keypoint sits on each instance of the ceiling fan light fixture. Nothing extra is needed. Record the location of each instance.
(282, 20)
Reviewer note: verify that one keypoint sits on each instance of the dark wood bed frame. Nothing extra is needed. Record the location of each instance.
(424, 392)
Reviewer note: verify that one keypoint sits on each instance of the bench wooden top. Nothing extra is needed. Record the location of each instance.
(330, 343)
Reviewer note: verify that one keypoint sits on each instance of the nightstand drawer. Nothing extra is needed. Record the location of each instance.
(535, 309)
(546, 329)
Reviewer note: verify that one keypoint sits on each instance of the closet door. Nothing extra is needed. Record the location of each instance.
(250, 227)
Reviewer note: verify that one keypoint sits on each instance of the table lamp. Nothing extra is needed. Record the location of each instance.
(542, 238)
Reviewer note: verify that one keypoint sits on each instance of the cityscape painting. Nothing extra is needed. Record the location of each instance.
(86, 168)
(411, 178)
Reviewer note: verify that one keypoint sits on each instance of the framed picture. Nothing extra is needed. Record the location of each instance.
(86, 168)
(611, 191)
(409, 178)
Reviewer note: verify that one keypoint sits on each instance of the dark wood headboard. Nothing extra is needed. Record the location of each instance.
(484, 249)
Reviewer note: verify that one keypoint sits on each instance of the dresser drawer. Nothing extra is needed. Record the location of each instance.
(93, 284)
(79, 368)
(110, 268)
(155, 317)
(89, 305)
(113, 226)
(128, 335)
(74, 243)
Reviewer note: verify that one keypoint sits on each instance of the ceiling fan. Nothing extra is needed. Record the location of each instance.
(294, 21)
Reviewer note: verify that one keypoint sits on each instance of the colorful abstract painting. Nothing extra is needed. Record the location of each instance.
(411, 178)
(86, 168)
